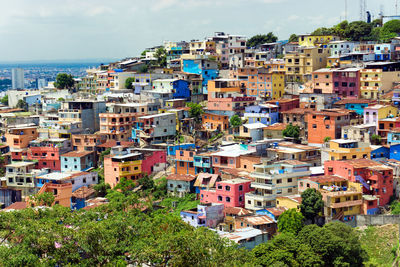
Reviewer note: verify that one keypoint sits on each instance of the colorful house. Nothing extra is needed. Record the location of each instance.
(356, 105)
(229, 192)
(77, 161)
(180, 184)
(376, 178)
(19, 137)
(342, 149)
(48, 152)
(207, 215)
(155, 128)
(372, 114)
(263, 113)
(206, 181)
(213, 122)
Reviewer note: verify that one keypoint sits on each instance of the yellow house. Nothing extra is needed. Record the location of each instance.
(301, 63)
(289, 202)
(342, 199)
(342, 149)
(374, 82)
(278, 84)
(315, 40)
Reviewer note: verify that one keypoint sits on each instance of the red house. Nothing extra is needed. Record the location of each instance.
(376, 178)
(47, 152)
(230, 193)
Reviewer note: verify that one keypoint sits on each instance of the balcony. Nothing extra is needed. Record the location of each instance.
(269, 176)
(372, 88)
(262, 198)
(346, 204)
(370, 79)
(268, 186)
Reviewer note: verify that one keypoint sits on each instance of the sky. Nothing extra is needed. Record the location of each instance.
(35, 30)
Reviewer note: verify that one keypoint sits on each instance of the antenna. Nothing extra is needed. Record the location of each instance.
(345, 9)
(362, 9)
(395, 7)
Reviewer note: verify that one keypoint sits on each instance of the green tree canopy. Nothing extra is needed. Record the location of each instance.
(128, 83)
(259, 39)
(376, 139)
(358, 31)
(291, 131)
(293, 38)
(161, 56)
(22, 104)
(196, 110)
(235, 121)
(392, 26)
(334, 244)
(311, 204)
(64, 81)
(291, 221)
(4, 100)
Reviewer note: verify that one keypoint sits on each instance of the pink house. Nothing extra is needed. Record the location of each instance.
(229, 156)
(230, 193)
(153, 160)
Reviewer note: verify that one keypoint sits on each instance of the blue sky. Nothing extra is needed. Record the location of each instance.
(87, 29)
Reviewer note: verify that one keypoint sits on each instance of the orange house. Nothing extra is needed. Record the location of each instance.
(21, 136)
(184, 162)
(215, 122)
(62, 193)
(327, 123)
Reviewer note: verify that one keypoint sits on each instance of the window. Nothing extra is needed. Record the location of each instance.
(240, 198)
(314, 126)
(228, 199)
(289, 180)
(181, 164)
(219, 187)
(227, 188)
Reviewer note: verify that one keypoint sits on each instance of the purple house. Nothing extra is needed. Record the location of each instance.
(346, 82)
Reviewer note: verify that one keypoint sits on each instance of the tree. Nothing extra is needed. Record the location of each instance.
(358, 31)
(196, 110)
(291, 131)
(291, 221)
(293, 38)
(102, 155)
(101, 189)
(42, 199)
(128, 83)
(143, 54)
(61, 99)
(392, 26)
(22, 104)
(376, 139)
(323, 31)
(161, 56)
(125, 185)
(64, 81)
(334, 244)
(235, 121)
(327, 139)
(144, 69)
(4, 100)
(395, 207)
(311, 204)
(259, 39)
(146, 182)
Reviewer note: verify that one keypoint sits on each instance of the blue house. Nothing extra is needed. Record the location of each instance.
(181, 89)
(207, 68)
(393, 137)
(382, 52)
(395, 151)
(171, 150)
(264, 113)
(379, 152)
(77, 161)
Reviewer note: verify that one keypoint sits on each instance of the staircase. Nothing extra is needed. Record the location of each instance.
(363, 182)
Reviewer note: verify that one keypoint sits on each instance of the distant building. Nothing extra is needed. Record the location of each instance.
(17, 76)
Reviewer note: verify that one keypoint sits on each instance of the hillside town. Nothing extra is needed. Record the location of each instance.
(245, 129)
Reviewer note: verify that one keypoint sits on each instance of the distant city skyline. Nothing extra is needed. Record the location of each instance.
(45, 30)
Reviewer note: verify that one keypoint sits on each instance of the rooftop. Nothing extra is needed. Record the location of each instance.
(181, 177)
(325, 179)
(77, 154)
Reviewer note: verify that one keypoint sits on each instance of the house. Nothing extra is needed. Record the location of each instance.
(342, 199)
(206, 181)
(77, 161)
(289, 202)
(229, 156)
(76, 178)
(316, 40)
(122, 163)
(47, 152)
(327, 123)
(84, 112)
(297, 117)
(316, 101)
(227, 97)
(290, 151)
(354, 104)
(214, 122)
(20, 175)
(263, 113)
(385, 126)
(344, 82)
(300, 64)
(274, 131)
(272, 212)
(362, 132)
(340, 47)
(87, 142)
(342, 149)
(197, 65)
(62, 193)
(184, 162)
(285, 104)
(203, 162)
(207, 215)
(380, 152)
(81, 196)
(377, 78)
(252, 131)
(372, 114)
(171, 150)
(272, 180)
(229, 192)
(180, 184)
(247, 238)
(155, 128)
(261, 222)
(117, 126)
(19, 137)
(376, 178)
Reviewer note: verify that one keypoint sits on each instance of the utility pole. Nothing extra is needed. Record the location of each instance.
(345, 9)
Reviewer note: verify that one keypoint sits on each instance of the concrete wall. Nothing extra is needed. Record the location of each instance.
(365, 220)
